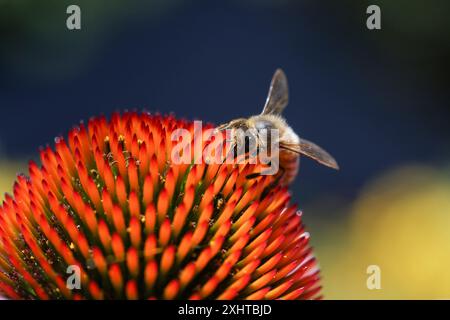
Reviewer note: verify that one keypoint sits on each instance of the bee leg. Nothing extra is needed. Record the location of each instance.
(258, 174)
(281, 175)
(253, 175)
(271, 186)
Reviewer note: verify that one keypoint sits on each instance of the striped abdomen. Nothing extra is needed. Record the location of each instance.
(289, 164)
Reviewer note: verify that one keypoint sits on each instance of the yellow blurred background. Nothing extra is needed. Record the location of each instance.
(400, 222)
(8, 172)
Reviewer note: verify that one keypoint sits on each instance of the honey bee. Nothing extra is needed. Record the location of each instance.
(291, 146)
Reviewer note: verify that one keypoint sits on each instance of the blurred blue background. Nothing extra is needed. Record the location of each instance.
(376, 100)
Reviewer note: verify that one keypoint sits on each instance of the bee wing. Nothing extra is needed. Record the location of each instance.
(278, 96)
(311, 150)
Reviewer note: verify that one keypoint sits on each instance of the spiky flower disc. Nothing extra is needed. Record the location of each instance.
(111, 202)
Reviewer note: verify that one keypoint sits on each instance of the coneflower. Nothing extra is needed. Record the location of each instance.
(110, 202)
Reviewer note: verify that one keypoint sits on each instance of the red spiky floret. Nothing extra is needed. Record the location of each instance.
(110, 201)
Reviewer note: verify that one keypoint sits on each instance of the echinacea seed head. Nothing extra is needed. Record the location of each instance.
(110, 201)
